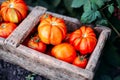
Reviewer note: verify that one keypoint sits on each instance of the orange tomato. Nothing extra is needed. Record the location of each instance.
(36, 44)
(14, 10)
(84, 40)
(6, 29)
(64, 51)
(52, 30)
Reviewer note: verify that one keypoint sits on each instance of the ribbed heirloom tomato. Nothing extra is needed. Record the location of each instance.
(84, 40)
(14, 10)
(6, 29)
(52, 30)
(64, 51)
(36, 44)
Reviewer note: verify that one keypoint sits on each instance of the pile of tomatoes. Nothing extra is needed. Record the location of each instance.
(53, 39)
(12, 12)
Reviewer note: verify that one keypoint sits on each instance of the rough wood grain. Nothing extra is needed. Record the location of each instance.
(48, 66)
(1, 43)
(104, 34)
(1, 1)
(24, 28)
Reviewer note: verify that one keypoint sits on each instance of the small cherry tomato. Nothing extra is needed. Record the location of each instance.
(6, 29)
(80, 61)
(36, 44)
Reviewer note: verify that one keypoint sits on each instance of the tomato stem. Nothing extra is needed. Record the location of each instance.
(11, 5)
(3, 26)
(37, 40)
(84, 35)
(82, 57)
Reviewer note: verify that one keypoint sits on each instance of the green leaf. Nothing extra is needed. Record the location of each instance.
(118, 1)
(99, 3)
(94, 6)
(117, 78)
(89, 16)
(111, 9)
(97, 13)
(87, 6)
(55, 2)
(102, 22)
(78, 3)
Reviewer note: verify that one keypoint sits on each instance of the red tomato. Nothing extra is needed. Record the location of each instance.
(6, 29)
(84, 40)
(36, 44)
(14, 10)
(52, 30)
(80, 61)
(64, 51)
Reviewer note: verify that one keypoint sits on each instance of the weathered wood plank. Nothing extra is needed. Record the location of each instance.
(45, 65)
(25, 27)
(58, 69)
(105, 32)
(1, 1)
(1, 43)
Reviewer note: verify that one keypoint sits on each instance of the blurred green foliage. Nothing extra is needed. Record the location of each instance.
(103, 12)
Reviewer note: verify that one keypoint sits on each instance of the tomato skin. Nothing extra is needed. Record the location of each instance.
(84, 40)
(6, 29)
(36, 44)
(52, 30)
(14, 10)
(80, 61)
(64, 51)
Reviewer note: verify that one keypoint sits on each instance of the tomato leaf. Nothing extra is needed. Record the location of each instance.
(99, 3)
(90, 16)
(87, 6)
(102, 22)
(111, 8)
(78, 3)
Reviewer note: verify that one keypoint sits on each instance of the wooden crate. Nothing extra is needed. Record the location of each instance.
(46, 65)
